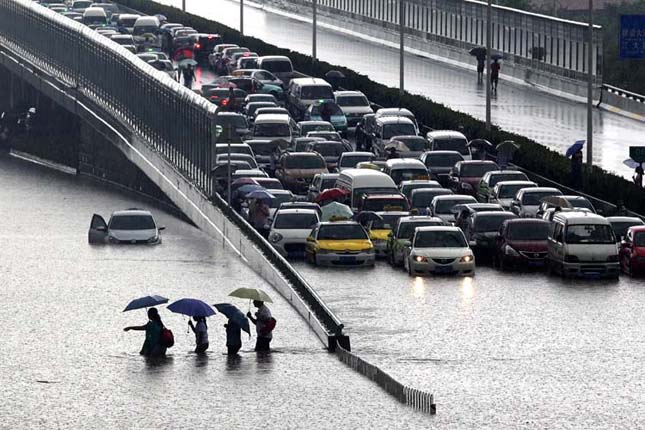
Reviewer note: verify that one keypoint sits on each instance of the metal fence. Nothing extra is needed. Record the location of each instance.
(417, 399)
(171, 118)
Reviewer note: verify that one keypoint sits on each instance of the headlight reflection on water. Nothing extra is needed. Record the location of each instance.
(419, 287)
(467, 287)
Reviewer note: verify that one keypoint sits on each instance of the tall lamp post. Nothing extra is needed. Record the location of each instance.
(401, 49)
(488, 57)
(242, 17)
(314, 50)
(590, 89)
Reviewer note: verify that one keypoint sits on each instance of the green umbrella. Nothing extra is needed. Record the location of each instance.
(187, 62)
(251, 294)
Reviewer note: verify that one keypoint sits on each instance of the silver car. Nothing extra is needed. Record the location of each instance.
(130, 226)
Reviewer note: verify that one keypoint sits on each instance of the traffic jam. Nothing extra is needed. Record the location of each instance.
(325, 175)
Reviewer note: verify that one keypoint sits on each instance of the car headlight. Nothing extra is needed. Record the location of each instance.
(466, 259)
(510, 251)
(275, 237)
(420, 259)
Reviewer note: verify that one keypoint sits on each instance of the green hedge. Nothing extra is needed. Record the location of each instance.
(531, 155)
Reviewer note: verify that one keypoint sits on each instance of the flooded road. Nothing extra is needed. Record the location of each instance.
(501, 350)
(552, 121)
(68, 364)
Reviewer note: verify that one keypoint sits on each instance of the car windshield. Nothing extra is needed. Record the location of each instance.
(491, 222)
(94, 20)
(620, 228)
(448, 144)
(414, 144)
(143, 29)
(306, 128)
(81, 4)
(424, 199)
(352, 101)
(582, 203)
(528, 231)
(406, 230)
(442, 160)
(332, 109)
(316, 92)
(509, 191)
(278, 199)
(295, 221)
(329, 149)
(386, 204)
(128, 22)
(533, 199)
(639, 239)
(341, 232)
(304, 162)
(263, 148)
(409, 174)
(387, 222)
(277, 66)
(398, 129)
(353, 160)
(270, 183)
(408, 188)
(494, 179)
(132, 222)
(476, 170)
(327, 136)
(589, 234)
(327, 183)
(444, 206)
(237, 121)
(272, 130)
(440, 239)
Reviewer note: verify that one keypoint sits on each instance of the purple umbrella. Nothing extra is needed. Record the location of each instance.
(191, 307)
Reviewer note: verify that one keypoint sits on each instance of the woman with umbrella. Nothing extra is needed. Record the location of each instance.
(152, 346)
(198, 310)
(189, 76)
(201, 334)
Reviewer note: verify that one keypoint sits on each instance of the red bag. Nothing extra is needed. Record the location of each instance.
(166, 339)
(269, 326)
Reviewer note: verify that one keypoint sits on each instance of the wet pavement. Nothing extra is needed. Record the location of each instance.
(68, 364)
(552, 121)
(501, 350)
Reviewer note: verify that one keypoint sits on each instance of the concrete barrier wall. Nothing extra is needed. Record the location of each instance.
(623, 102)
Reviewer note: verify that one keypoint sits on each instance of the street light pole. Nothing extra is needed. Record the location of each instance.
(488, 57)
(183, 5)
(590, 89)
(401, 49)
(242, 17)
(314, 53)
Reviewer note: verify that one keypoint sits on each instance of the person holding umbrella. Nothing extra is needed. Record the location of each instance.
(189, 76)
(264, 325)
(201, 334)
(494, 73)
(152, 346)
(638, 176)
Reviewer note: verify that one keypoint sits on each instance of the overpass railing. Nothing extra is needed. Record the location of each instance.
(171, 118)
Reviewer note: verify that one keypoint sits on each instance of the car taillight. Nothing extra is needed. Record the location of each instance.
(224, 102)
(198, 46)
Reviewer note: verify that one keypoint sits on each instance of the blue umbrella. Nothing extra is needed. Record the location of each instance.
(191, 307)
(631, 163)
(234, 314)
(145, 302)
(260, 194)
(575, 148)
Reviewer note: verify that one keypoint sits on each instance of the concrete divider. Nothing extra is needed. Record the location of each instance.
(623, 102)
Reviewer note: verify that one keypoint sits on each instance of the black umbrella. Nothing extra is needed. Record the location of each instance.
(481, 144)
(335, 74)
(478, 52)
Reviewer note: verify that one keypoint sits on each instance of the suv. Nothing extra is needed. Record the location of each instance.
(465, 175)
(440, 163)
(387, 127)
(527, 200)
(490, 179)
(296, 170)
(448, 140)
(303, 92)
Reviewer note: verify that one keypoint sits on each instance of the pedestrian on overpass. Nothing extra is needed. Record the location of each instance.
(481, 63)
(576, 170)
(264, 325)
(189, 76)
(494, 73)
(638, 176)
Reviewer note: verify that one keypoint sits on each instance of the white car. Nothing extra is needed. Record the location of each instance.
(130, 226)
(354, 105)
(439, 250)
(289, 230)
(527, 201)
(504, 192)
(441, 206)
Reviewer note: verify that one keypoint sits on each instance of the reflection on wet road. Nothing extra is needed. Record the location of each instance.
(66, 362)
(501, 350)
(552, 121)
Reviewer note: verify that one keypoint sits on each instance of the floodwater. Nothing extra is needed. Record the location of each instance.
(68, 364)
(550, 120)
(501, 350)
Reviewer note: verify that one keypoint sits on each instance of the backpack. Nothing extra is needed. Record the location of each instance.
(269, 326)
(166, 339)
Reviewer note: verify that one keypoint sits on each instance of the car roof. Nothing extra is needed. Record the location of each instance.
(624, 219)
(129, 15)
(315, 123)
(301, 154)
(405, 162)
(394, 112)
(408, 137)
(580, 216)
(418, 218)
(394, 213)
(491, 214)
(637, 228)
(367, 154)
(452, 196)
(540, 190)
(501, 183)
(505, 172)
(519, 220)
(446, 133)
(310, 81)
(387, 120)
(417, 181)
(475, 206)
(297, 212)
(272, 117)
(438, 228)
(328, 175)
(275, 57)
(137, 212)
(476, 162)
(443, 152)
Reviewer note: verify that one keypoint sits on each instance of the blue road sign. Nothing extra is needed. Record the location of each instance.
(632, 36)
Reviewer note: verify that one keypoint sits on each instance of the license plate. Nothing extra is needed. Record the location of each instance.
(443, 269)
(536, 263)
(347, 259)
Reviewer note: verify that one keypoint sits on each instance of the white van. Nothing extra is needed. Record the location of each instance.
(146, 24)
(303, 92)
(448, 140)
(398, 112)
(274, 126)
(582, 244)
(94, 17)
(364, 181)
(279, 65)
(405, 169)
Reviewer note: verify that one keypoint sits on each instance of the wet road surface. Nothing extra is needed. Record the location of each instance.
(68, 364)
(552, 121)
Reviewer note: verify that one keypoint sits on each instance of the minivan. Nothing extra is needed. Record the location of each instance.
(270, 127)
(94, 17)
(279, 65)
(364, 181)
(582, 244)
(302, 92)
(447, 140)
(405, 169)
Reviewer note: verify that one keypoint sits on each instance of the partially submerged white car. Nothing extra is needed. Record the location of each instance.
(439, 250)
(130, 226)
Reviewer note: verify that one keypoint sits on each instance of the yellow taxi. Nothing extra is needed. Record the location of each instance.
(339, 243)
(379, 230)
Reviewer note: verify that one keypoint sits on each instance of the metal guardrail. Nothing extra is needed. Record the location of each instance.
(416, 399)
(172, 120)
(624, 93)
